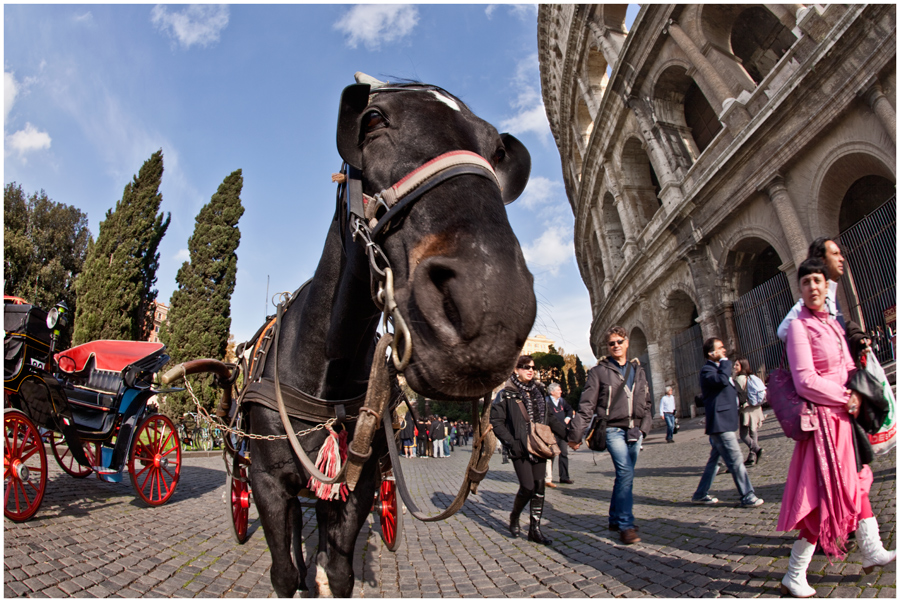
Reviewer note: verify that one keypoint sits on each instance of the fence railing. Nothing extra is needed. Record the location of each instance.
(757, 315)
(870, 248)
(687, 350)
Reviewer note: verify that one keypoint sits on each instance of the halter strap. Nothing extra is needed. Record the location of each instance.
(421, 180)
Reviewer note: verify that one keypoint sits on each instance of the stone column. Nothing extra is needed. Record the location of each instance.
(704, 277)
(658, 156)
(605, 41)
(787, 215)
(709, 74)
(874, 95)
(786, 13)
(592, 104)
(626, 215)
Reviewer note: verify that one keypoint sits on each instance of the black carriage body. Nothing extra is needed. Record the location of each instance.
(26, 342)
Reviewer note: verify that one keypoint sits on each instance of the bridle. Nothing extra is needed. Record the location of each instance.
(373, 218)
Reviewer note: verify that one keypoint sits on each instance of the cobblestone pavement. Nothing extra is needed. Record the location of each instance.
(94, 539)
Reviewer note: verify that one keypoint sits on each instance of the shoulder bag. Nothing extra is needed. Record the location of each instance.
(541, 440)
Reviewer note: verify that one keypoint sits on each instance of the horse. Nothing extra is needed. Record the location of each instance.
(459, 280)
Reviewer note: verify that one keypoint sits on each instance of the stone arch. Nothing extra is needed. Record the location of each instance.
(639, 181)
(596, 76)
(751, 258)
(583, 122)
(613, 231)
(684, 113)
(843, 166)
(864, 196)
(637, 342)
(681, 309)
(759, 39)
(612, 16)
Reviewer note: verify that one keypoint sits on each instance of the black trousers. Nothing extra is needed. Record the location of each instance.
(530, 474)
(563, 459)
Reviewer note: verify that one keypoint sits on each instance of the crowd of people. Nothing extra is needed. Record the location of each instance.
(828, 481)
(432, 437)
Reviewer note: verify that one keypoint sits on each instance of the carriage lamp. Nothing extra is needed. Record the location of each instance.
(57, 317)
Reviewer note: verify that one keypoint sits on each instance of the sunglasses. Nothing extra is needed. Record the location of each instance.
(615, 343)
(527, 368)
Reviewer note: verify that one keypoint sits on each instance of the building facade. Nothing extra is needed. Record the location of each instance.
(704, 149)
(537, 344)
(160, 313)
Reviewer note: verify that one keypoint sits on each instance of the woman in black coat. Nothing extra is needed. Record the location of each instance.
(511, 427)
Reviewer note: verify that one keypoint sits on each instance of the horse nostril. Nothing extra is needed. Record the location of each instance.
(442, 277)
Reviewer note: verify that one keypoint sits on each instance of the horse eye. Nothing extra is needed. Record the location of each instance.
(373, 120)
(499, 155)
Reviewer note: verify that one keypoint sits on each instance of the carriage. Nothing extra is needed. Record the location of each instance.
(89, 404)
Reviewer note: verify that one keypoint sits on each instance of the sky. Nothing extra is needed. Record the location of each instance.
(92, 91)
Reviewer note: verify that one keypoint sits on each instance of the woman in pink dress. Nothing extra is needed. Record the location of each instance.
(825, 497)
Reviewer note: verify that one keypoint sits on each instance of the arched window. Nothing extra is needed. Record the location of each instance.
(700, 117)
(760, 40)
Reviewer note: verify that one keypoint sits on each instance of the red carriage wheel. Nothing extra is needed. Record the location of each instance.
(67, 461)
(155, 460)
(239, 507)
(390, 514)
(24, 467)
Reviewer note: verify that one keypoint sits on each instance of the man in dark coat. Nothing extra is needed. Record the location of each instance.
(564, 413)
(720, 403)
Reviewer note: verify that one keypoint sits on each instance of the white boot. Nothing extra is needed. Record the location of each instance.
(794, 582)
(870, 545)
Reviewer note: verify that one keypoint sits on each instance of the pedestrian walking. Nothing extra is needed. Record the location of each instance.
(421, 439)
(512, 426)
(617, 392)
(826, 495)
(720, 404)
(751, 392)
(667, 411)
(437, 434)
(564, 413)
(408, 436)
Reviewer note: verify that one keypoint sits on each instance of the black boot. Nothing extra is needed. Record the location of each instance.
(522, 497)
(537, 509)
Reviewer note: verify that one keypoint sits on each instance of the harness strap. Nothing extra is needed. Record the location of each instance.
(482, 448)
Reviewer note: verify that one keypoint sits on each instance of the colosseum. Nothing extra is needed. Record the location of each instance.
(703, 148)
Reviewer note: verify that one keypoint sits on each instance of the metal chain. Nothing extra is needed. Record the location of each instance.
(201, 411)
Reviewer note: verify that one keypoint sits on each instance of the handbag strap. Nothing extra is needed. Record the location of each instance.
(524, 411)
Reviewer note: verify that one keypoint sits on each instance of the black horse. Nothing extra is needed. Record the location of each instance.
(460, 281)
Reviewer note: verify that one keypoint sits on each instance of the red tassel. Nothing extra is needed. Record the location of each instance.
(331, 457)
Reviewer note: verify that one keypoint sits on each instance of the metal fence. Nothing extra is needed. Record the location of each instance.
(757, 315)
(687, 349)
(870, 248)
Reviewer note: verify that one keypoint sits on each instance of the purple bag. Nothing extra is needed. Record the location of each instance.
(796, 415)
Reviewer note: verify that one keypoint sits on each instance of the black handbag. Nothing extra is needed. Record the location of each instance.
(874, 408)
(596, 437)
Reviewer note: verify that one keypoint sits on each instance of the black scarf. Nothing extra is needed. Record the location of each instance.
(532, 396)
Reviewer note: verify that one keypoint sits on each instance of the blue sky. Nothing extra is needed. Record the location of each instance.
(90, 92)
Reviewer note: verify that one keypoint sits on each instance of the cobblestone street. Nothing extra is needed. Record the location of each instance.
(94, 539)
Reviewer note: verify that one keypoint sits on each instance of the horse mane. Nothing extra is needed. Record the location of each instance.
(402, 82)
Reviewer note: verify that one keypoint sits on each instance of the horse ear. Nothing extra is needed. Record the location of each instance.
(514, 169)
(354, 100)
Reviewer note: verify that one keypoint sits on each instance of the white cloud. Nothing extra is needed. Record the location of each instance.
(10, 91)
(198, 24)
(28, 140)
(553, 249)
(530, 115)
(182, 255)
(377, 24)
(541, 191)
(85, 18)
(522, 11)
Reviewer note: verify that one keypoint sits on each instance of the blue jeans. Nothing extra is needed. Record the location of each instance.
(670, 425)
(725, 446)
(624, 456)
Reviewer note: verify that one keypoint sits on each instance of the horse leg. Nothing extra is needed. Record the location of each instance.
(278, 512)
(299, 560)
(339, 526)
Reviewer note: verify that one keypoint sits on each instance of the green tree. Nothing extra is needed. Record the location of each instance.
(115, 289)
(548, 365)
(580, 374)
(44, 248)
(574, 394)
(199, 318)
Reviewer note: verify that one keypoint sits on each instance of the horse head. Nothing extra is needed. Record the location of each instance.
(460, 279)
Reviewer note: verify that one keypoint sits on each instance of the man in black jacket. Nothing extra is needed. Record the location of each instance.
(617, 391)
(564, 413)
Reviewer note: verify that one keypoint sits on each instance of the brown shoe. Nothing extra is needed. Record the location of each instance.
(551, 485)
(629, 536)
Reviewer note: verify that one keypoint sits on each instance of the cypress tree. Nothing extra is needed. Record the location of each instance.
(115, 289)
(199, 318)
